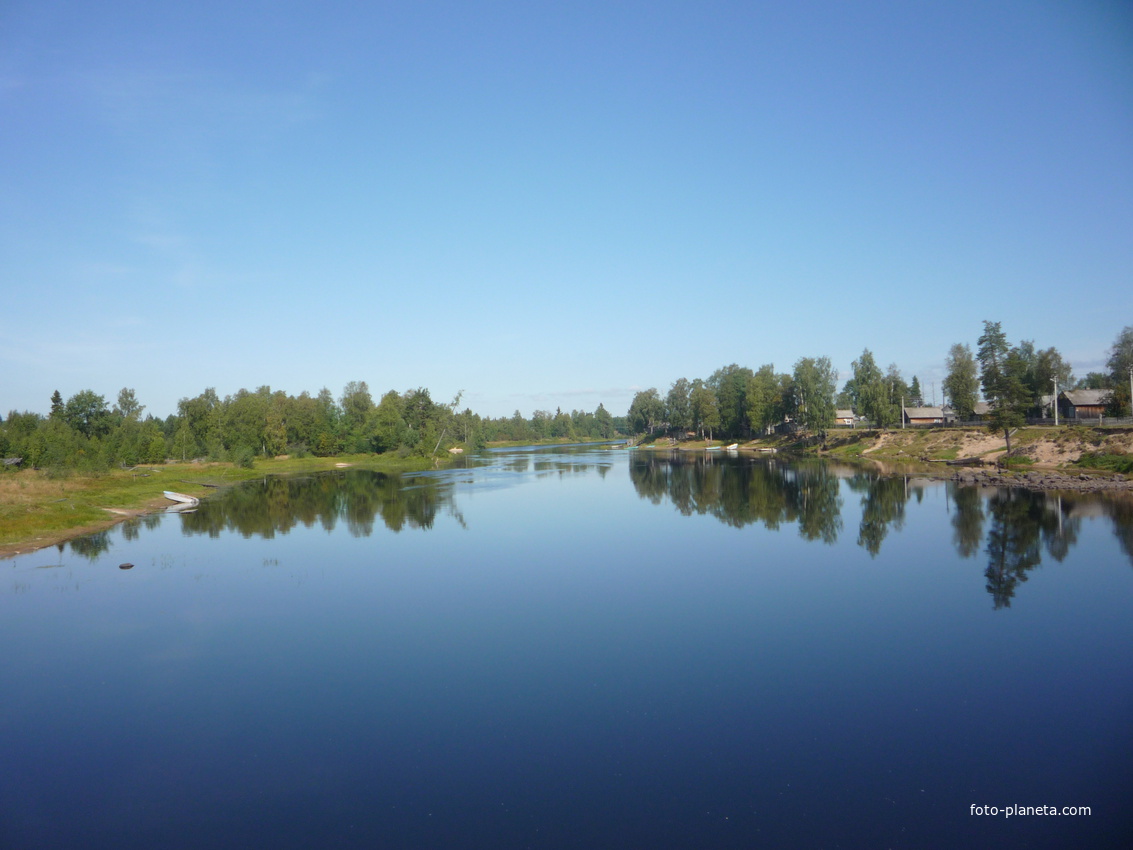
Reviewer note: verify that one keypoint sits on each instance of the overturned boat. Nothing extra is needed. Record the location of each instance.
(182, 499)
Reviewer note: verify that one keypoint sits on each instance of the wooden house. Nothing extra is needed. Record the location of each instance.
(922, 415)
(1083, 404)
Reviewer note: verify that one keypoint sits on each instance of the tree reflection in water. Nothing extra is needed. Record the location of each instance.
(967, 520)
(91, 545)
(1014, 527)
(883, 505)
(739, 493)
(1122, 513)
(1021, 524)
(357, 497)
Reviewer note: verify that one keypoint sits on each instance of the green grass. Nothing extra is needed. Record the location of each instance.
(1122, 463)
(38, 509)
(851, 448)
(1022, 460)
(1026, 436)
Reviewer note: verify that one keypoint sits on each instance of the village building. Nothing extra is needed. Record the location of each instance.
(1083, 404)
(980, 411)
(922, 415)
(844, 418)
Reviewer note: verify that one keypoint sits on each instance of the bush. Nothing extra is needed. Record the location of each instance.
(1122, 463)
(243, 456)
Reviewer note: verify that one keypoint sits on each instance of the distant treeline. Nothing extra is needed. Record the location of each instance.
(86, 433)
(1017, 381)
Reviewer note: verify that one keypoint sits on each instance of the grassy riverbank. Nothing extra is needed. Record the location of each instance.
(1047, 447)
(38, 509)
(1063, 447)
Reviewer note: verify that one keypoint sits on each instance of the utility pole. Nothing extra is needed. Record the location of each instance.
(902, 412)
(1055, 403)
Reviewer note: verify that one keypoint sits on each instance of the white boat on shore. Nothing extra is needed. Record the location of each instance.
(181, 498)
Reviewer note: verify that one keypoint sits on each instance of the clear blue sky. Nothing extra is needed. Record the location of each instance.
(551, 204)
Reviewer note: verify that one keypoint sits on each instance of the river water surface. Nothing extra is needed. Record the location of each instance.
(577, 647)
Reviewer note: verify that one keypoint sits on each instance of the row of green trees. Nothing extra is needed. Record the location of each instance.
(877, 395)
(544, 425)
(1015, 380)
(735, 402)
(88, 434)
(1035, 373)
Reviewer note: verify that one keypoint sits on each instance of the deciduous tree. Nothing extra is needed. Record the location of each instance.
(128, 406)
(356, 405)
(961, 385)
(605, 422)
(705, 412)
(764, 398)
(646, 411)
(678, 408)
(872, 396)
(730, 385)
(815, 384)
(1120, 364)
(1049, 367)
(86, 412)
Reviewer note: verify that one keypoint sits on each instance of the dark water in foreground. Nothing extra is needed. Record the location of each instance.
(576, 648)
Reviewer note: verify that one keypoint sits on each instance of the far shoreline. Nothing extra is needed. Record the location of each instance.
(40, 511)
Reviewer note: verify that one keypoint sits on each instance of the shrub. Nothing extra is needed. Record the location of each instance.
(1122, 463)
(243, 456)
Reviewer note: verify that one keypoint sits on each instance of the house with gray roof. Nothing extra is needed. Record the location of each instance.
(922, 415)
(1083, 404)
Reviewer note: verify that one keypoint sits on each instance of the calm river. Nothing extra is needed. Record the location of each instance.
(579, 647)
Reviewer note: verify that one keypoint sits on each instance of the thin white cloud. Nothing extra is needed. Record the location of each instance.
(68, 359)
(103, 270)
(196, 105)
(159, 241)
